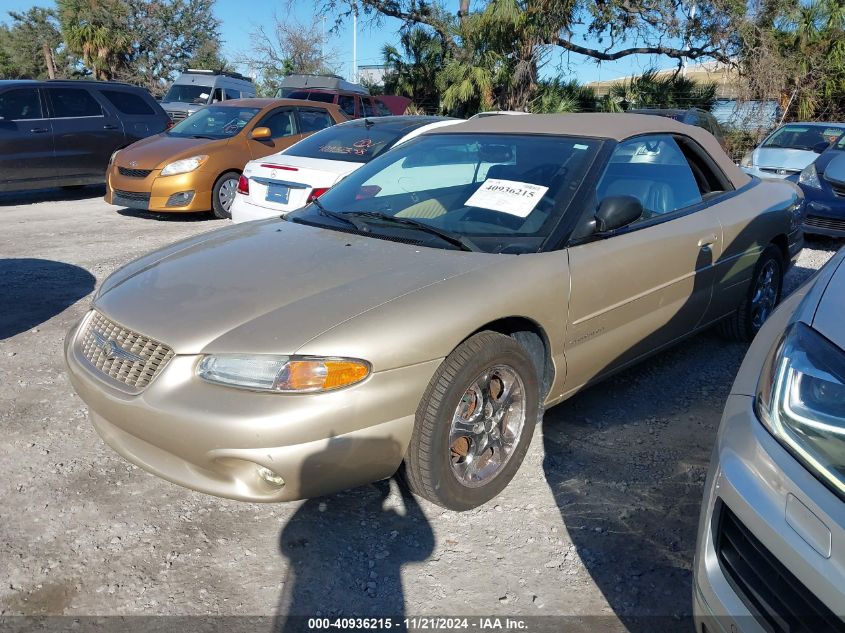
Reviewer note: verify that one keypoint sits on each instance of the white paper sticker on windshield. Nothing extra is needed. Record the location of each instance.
(507, 196)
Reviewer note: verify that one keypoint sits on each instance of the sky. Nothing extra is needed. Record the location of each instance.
(237, 23)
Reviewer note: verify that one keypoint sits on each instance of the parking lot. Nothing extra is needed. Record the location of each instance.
(599, 521)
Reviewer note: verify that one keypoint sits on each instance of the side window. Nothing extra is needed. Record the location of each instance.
(382, 109)
(314, 119)
(232, 94)
(126, 102)
(73, 102)
(360, 106)
(347, 104)
(280, 122)
(21, 103)
(217, 95)
(654, 170)
(369, 108)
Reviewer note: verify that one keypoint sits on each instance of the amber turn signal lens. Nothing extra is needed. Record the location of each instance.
(322, 375)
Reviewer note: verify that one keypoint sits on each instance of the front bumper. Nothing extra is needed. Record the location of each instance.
(153, 192)
(765, 487)
(825, 217)
(213, 439)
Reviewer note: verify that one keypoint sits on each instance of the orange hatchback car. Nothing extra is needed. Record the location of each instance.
(195, 166)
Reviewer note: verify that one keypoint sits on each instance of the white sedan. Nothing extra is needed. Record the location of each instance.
(280, 183)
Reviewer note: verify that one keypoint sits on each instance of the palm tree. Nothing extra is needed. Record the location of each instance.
(412, 72)
(651, 90)
(93, 29)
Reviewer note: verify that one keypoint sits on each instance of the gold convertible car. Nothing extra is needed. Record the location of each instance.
(422, 314)
(196, 165)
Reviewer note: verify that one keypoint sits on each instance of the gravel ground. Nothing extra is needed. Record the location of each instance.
(600, 520)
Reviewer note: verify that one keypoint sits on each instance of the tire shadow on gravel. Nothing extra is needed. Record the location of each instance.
(345, 552)
(55, 194)
(35, 290)
(626, 462)
(193, 216)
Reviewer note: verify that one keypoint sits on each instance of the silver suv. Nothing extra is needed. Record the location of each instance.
(197, 88)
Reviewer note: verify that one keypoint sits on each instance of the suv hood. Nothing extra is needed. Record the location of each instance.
(155, 151)
(268, 286)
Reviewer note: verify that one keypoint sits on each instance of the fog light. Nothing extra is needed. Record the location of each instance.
(180, 199)
(270, 477)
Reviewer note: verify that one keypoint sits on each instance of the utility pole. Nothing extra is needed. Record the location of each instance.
(355, 43)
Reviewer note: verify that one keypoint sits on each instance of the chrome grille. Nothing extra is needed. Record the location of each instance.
(177, 115)
(125, 356)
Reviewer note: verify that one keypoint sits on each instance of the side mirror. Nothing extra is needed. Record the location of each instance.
(260, 133)
(821, 146)
(617, 211)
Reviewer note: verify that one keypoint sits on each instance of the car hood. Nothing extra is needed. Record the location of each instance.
(828, 315)
(783, 158)
(268, 286)
(155, 151)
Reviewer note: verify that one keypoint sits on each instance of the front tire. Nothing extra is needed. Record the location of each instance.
(223, 194)
(474, 423)
(763, 296)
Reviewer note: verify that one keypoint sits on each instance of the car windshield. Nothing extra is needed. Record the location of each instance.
(804, 137)
(349, 143)
(214, 122)
(497, 193)
(187, 93)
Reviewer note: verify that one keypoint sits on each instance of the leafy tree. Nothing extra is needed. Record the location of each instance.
(97, 31)
(564, 96)
(29, 43)
(413, 71)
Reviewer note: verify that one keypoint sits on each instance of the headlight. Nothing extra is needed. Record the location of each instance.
(801, 400)
(809, 177)
(282, 374)
(184, 165)
(747, 160)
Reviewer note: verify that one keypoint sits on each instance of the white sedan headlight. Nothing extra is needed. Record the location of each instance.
(801, 400)
(184, 165)
(282, 374)
(809, 177)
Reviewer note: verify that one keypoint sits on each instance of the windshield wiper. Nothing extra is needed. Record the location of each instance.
(447, 236)
(213, 138)
(337, 216)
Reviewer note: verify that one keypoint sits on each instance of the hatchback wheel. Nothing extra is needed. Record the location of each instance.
(223, 194)
(474, 423)
(762, 298)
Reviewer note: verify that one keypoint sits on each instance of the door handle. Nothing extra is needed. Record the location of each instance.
(707, 241)
(109, 126)
(38, 130)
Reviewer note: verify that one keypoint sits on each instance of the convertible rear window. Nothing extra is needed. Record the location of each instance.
(500, 193)
(350, 143)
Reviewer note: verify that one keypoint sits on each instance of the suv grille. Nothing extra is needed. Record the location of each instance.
(125, 356)
(134, 173)
(815, 221)
(177, 115)
(777, 599)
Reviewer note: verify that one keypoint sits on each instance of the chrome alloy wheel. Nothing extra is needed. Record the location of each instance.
(764, 299)
(487, 425)
(227, 191)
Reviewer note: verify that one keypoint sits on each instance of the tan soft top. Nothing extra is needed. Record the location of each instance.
(600, 125)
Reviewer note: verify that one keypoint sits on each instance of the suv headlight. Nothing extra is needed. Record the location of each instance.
(184, 165)
(801, 400)
(809, 177)
(282, 374)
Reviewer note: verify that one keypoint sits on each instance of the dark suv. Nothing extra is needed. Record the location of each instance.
(57, 132)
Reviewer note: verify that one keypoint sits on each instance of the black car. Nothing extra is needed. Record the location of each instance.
(64, 132)
(823, 183)
(690, 116)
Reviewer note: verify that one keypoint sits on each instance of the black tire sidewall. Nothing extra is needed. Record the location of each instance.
(216, 207)
(448, 489)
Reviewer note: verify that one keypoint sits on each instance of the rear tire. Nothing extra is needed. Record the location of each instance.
(763, 295)
(223, 194)
(474, 423)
